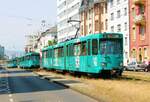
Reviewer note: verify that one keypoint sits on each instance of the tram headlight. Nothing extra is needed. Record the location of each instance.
(103, 64)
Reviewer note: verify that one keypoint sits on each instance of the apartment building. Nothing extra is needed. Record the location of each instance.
(118, 21)
(67, 10)
(93, 16)
(139, 30)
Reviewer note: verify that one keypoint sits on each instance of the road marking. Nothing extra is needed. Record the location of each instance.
(10, 95)
(11, 100)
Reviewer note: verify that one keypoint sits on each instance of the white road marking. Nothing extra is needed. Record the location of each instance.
(10, 95)
(11, 100)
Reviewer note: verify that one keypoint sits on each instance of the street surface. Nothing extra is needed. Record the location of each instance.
(23, 86)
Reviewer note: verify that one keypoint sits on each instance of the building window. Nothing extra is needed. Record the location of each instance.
(102, 9)
(112, 16)
(126, 41)
(125, 26)
(125, 11)
(118, 1)
(118, 14)
(133, 53)
(133, 12)
(141, 9)
(141, 30)
(111, 3)
(134, 33)
(96, 25)
(119, 28)
(145, 53)
(106, 24)
(105, 7)
(112, 28)
(90, 14)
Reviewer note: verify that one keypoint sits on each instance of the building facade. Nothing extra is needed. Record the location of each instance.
(139, 30)
(31, 41)
(98, 16)
(93, 16)
(66, 10)
(118, 21)
(50, 35)
(2, 52)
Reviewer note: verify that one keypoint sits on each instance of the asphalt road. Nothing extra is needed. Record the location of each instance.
(24, 86)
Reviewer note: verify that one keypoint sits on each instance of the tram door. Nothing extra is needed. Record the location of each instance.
(88, 55)
(92, 60)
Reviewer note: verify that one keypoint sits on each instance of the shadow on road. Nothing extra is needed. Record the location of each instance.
(27, 84)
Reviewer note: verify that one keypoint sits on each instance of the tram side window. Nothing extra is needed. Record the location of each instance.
(28, 57)
(47, 54)
(83, 48)
(94, 46)
(55, 52)
(67, 53)
(89, 48)
(60, 52)
(50, 53)
(44, 54)
(77, 49)
(71, 50)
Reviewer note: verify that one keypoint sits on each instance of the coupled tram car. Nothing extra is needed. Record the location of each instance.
(29, 60)
(12, 63)
(93, 54)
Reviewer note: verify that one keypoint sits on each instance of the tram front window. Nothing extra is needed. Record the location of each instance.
(110, 47)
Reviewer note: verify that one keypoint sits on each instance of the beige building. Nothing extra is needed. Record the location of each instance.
(93, 16)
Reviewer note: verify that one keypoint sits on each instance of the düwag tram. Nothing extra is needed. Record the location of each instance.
(93, 54)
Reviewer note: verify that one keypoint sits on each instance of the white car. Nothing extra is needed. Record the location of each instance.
(134, 66)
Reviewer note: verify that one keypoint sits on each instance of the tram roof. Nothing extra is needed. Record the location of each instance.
(92, 36)
(31, 53)
(81, 39)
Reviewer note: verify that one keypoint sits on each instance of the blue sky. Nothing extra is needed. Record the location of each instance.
(22, 17)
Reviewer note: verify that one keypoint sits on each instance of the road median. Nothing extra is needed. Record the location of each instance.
(105, 90)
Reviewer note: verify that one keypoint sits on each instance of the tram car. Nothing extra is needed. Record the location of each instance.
(29, 60)
(93, 54)
(12, 63)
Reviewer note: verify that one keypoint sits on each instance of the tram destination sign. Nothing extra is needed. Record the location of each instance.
(111, 36)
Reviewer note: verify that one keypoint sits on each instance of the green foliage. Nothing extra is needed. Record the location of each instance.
(52, 42)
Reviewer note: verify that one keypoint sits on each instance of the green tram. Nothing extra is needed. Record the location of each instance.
(12, 63)
(30, 60)
(93, 54)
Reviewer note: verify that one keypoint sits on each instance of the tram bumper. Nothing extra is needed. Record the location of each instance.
(117, 71)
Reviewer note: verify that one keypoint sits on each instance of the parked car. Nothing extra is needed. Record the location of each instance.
(134, 66)
(147, 68)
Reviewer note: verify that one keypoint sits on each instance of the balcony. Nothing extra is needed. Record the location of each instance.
(139, 19)
(138, 2)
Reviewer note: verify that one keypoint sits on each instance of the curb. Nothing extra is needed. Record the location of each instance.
(67, 86)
